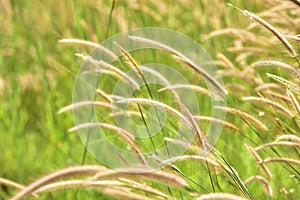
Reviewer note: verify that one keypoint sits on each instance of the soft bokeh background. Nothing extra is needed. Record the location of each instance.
(37, 73)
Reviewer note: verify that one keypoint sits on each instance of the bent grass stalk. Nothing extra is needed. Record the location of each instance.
(269, 27)
(128, 137)
(199, 134)
(84, 104)
(268, 86)
(220, 196)
(294, 102)
(184, 144)
(187, 86)
(141, 172)
(190, 123)
(191, 157)
(159, 104)
(259, 160)
(278, 95)
(64, 173)
(288, 84)
(278, 143)
(278, 64)
(283, 160)
(217, 121)
(223, 58)
(261, 179)
(61, 185)
(239, 33)
(271, 103)
(144, 187)
(126, 113)
(245, 116)
(184, 59)
(288, 137)
(122, 193)
(13, 184)
(109, 67)
(100, 185)
(91, 44)
(104, 95)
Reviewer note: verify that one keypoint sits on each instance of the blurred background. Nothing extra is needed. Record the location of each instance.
(37, 72)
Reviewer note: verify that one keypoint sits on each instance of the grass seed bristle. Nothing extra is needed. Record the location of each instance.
(271, 103)
(261, 179)
(259, 160)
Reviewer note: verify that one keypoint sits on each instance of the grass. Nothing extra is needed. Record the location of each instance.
(257, 157)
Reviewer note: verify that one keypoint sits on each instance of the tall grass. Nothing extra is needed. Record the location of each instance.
(257, 155)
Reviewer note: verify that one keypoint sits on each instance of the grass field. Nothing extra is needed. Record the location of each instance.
(259, 68)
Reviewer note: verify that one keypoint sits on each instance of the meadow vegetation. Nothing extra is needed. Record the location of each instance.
(255, 45)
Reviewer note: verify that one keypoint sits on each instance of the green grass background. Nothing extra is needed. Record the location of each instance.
(37, 75)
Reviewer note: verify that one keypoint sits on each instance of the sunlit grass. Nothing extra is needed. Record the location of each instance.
(37, 75)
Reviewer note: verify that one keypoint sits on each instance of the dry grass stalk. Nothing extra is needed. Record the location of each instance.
(239, 33)
(187, 86)
(131, 62)
(223, 58)
(126, 183)
(10, 183)
(190, 122)
(164, 81)
(263, 181)
(218, 121)
(202, 159)
(242, 58)
(128, 137)
(186, 112)
(290, 85)
(218, 63)
(127, 113)
(284, 160)
(278, 143)
(143, 187)
(293, 37)
(141, 172)
(279, 96)
(220, 196)
(237, 89)
(91, 44)
(103, 71)
(245, 116)
(214, 166)
(278, 64)
(61, 185)
(288, 137)
(67, 172)
(267, 86)
(294, 101)
(186, 145)
(184, 59)
(108, 67)
(247, 49)
(121, 193)
(236, 73)
(79, 41)
(158, 104)
(84, 104)
(273, 11)
(259, 160)
(104, 95)
(271, 103)
(273, 30)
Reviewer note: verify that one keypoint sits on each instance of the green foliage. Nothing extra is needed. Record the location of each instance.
(37, 75)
